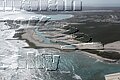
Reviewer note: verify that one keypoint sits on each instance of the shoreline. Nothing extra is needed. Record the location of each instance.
(32, 39)
(61, 36)
(99, 58)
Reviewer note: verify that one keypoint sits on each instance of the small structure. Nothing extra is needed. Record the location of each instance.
(68, 47)
(92, 45)
(115, 76)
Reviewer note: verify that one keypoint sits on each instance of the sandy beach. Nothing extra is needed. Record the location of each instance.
(35, 39)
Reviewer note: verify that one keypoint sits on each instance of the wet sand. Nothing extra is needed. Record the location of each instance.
(31, 36)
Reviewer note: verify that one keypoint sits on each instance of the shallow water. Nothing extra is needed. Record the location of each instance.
(41, 35)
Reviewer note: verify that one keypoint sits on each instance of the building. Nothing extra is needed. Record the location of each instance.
(41, 5)
(115, 76)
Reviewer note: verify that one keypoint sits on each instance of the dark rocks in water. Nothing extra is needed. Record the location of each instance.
(77, 33)
(20, 30)
(83, 37)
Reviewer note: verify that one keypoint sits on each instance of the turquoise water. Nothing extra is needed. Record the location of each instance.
(41, 35)
(87, 67)
(77, 63)
(60, 16)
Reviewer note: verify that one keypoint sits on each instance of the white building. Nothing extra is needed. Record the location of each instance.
(115, 76)
(60, 5)
(43, 5)
(40, 5)
(72, 5)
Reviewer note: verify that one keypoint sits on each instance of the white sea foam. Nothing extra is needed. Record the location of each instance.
(66, 72)
(77, 77)
(10, 50)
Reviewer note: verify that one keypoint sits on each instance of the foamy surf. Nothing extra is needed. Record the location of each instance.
(10, 52)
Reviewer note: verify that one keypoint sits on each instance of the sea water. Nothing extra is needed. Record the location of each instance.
(75, 65)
